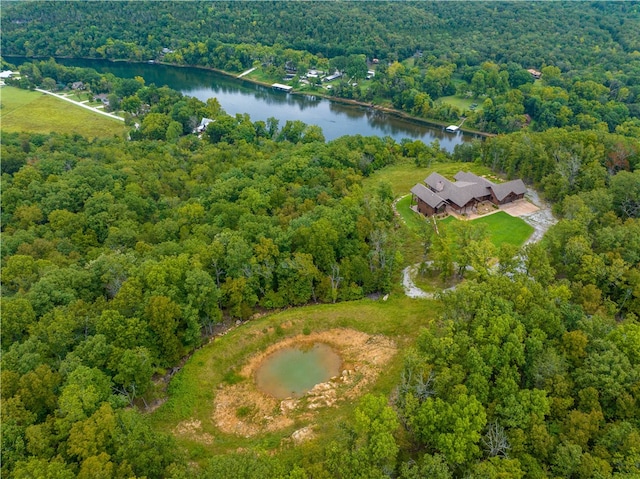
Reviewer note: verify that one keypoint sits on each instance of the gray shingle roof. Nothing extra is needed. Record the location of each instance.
(428, 196)
(466, 188)
(471, 178)
(504, 189)
(460, 194)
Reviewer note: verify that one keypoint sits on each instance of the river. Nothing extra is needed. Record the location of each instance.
(260, 102)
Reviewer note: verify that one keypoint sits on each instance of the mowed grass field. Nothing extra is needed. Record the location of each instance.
(35, 112)
(501, 227)
(460, 102)
(193, 389)
(504, 228)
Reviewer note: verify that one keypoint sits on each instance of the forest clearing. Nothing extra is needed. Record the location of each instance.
(217, 382)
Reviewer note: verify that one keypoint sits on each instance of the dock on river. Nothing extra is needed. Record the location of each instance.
(281, 87)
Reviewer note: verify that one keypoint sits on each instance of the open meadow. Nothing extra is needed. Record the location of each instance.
(25, 110)
(403, 176)
(460, 102)
(190, 412)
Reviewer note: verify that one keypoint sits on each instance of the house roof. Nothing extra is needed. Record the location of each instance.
(468, 187)
(504, 189)
(460, 192)
(470, 177)
(428, 196)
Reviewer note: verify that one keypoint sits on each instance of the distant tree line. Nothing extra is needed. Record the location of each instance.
(589, 60)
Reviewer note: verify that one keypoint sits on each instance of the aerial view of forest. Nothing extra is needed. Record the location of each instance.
(196, 289)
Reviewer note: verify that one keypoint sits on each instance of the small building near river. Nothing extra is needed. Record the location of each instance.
(281, 87)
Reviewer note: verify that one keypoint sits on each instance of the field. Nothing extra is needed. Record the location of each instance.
(30, 111)
(403, 176)
(504, 228)
(459, 102)
(190, 408)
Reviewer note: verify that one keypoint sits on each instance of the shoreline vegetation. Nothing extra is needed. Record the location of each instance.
(345, 101)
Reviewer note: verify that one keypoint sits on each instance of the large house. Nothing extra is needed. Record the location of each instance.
(464, 194)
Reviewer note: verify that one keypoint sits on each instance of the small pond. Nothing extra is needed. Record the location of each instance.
(292, 371)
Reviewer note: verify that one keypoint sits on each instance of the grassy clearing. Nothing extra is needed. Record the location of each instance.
(79, 96)
(24, 110)
(501, 227)
(412, 224)
(404, 176)
(459, 102)
(413, 220)
(431, 281)
(192, 391)
(260, 75)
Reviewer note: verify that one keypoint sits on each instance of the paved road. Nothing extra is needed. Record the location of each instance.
(62, 97)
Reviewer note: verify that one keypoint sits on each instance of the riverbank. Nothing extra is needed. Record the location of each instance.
(345, 101)
(398, 115)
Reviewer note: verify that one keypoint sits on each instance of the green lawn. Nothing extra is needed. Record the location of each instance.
(412, 219)
(501, 227)
(193, 389)
(459, 102)
(260, 75)
(31, 111)
(504, 228)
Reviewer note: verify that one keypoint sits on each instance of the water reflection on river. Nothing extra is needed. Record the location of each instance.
(260, 102)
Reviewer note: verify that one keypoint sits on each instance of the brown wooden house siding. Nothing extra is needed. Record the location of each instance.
(463, 209)
(427, 210)
(507, 199)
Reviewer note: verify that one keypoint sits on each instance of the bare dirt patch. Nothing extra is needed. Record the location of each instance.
(244, 410)
(193, 430)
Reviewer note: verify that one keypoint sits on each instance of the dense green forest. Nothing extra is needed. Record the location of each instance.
(122, 256)
(529, 34)
(119, 257)
(588, 53)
